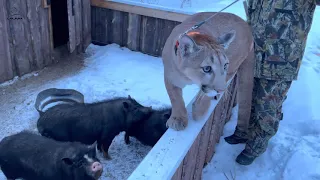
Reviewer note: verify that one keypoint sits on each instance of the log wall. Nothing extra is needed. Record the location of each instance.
(136, 32)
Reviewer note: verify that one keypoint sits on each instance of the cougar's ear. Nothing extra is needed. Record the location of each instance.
(226, 39)
(187, 45)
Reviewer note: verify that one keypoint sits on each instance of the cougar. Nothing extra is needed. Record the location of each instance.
(208, 56)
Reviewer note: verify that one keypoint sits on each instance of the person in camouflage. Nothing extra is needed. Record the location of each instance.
(280, 29)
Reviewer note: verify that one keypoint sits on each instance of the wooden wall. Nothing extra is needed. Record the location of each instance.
(136, 32)
(203, 148)
(26, 35)
(24, 28)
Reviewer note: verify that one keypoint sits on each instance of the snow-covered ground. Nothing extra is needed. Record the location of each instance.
(105, 72)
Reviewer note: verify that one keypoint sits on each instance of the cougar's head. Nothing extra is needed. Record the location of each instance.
(203, 60)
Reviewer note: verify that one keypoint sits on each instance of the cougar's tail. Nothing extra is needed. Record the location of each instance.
(52, 95)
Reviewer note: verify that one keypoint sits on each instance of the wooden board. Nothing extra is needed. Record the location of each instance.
(189, 162)
(117, 21)
(203, 146)
(20, 40)
(134, 32)
(72, 26)
(86, 24)
(6, 69)
(78, 21)
(156, 13)
(33, 7)
(46, 35)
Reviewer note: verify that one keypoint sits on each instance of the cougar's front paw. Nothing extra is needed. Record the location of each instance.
(177, 123)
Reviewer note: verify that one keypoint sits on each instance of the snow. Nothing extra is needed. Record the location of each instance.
(105, 72)
(188, 6)
(108, 71)
(294, 152)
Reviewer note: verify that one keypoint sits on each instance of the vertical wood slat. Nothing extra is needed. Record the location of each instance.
(78, 20)
(133, 32)
(46, 35)
(147, 34)
(33, 7)
(101, 26)
(178, 174)
(20, 36)
(117, 29)
(125, 24)
(86, 24)
(189, 162)
(72, 27)
(203, 146)
(6, 69)
(93, 24)
(108, 26)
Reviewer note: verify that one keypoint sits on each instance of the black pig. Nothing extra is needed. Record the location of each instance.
(87, 123)
(150, 130)
(30, 156)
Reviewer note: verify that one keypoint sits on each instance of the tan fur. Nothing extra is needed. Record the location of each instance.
(202, 48)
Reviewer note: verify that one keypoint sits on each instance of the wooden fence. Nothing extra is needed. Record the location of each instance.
(137, 28)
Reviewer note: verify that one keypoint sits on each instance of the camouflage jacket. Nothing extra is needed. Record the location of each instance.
(280, 29)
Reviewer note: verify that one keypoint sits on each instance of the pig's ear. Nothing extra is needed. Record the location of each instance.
(67, 161)
(93, 146)
(125, 105)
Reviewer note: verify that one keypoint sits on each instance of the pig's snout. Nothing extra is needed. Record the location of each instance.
(96, 167)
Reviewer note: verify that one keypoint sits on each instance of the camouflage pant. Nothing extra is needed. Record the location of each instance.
(266, 112)
(280, 29)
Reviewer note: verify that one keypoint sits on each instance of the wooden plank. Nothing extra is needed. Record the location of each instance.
(72, 27)
(93, 23)
(159, 32)
(33, 7)
(46, 35)
(147, 35)
(133, 42)
(156, 13)
(20, 40)
(86, 24)
(101, 24)
(6, 69)
(178, 174)
(203, 146)
(117, 21)
(125, 24)
(189, 162)
(171, 149)
(166, 31)
(78, 20)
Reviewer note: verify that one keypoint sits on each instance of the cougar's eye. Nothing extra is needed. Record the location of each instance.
(207, 69)
(225, 66)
